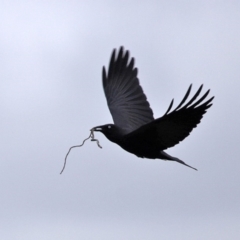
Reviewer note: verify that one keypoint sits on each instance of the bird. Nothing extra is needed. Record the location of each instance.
(135, 129)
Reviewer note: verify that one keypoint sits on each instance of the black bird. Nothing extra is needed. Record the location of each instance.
(134, 128)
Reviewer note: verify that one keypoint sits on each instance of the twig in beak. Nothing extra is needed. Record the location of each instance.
(92, 139)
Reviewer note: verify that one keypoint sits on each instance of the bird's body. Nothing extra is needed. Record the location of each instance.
(135, 128)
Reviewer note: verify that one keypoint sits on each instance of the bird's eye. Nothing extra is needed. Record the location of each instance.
(109, 126)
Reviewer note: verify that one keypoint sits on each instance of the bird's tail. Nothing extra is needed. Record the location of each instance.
(164, 155)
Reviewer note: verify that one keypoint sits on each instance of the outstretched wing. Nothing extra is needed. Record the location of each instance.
(173, 127)
(125, 98)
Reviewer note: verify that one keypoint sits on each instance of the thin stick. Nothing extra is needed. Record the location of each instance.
(93, 139)
(90, 136)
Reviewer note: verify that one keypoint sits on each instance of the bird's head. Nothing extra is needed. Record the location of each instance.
(112, 132)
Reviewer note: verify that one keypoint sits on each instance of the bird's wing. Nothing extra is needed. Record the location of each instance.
(173, 127)
(126, 101)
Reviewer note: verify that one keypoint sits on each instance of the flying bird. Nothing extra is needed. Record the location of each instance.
(134, 128)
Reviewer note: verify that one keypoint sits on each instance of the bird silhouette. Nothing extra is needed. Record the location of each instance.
(134, 128)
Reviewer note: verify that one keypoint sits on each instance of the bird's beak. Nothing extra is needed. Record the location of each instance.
(96, 129)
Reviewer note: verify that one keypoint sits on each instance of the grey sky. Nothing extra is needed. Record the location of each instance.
(52, 53)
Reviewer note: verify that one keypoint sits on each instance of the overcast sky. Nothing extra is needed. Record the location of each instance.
(51, 57)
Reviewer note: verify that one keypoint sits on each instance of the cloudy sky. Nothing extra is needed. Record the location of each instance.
(52, 53)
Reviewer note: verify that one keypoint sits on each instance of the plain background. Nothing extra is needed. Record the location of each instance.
(51, 57)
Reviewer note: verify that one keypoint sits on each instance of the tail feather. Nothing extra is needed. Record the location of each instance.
(164, 155)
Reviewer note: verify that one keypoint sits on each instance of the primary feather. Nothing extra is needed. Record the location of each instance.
(126, 101)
